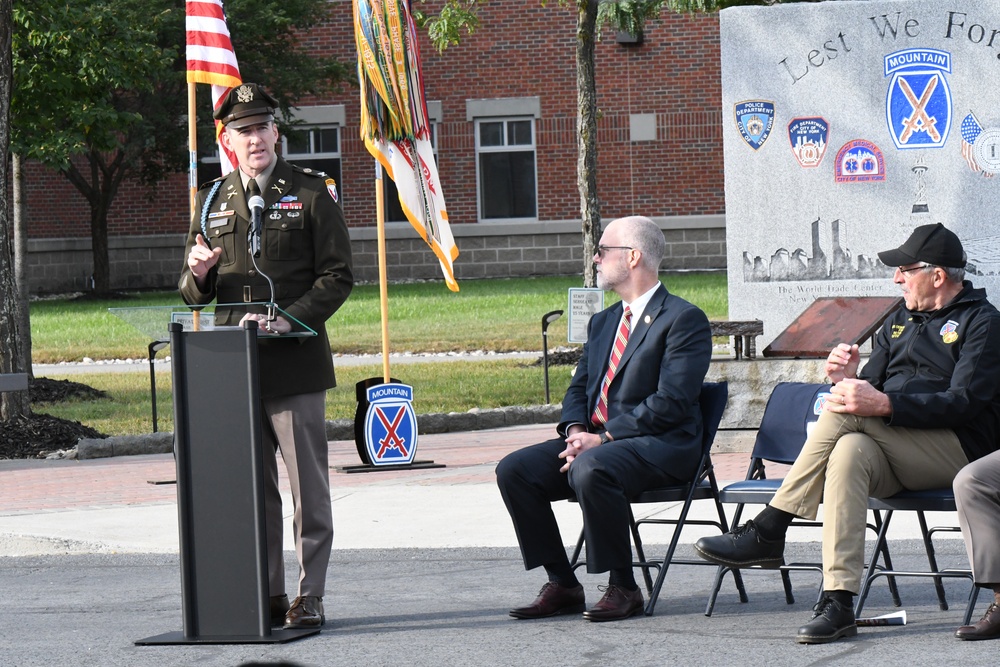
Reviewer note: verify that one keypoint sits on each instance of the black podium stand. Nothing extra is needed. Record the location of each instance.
(220, 491)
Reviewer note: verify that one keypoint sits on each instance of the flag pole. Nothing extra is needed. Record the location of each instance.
(193, 169)
(383, 288)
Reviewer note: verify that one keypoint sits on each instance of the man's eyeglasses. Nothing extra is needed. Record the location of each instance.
(601, 249)
(914, 268)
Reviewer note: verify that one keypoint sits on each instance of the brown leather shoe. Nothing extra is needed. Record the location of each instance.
(306, 612)
(553, 600)
(279, 607)
(988, 627)
(617, 604)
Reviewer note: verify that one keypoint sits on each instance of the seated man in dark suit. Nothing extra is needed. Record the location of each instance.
(630, 421)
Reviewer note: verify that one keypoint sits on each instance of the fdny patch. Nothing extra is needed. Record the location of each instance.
(918, 102)
(390, 424)
(754, 120)
(331, 187)
(859, 161)
(808, 137)
(949, 332)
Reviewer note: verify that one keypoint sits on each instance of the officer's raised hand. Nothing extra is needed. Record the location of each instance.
(201, 259)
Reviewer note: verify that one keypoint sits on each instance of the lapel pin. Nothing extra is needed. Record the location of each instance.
(647, 319)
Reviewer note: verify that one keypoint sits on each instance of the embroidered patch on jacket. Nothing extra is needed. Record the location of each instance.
(949, 332)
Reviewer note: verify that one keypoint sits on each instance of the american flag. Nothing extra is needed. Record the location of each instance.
(211, 59)
(971, 129)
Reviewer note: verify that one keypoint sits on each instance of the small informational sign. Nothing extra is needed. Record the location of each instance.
(390, 424)
(186, 320)
(584, 303)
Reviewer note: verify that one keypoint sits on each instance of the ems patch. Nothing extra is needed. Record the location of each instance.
(390, 424)
(331, 187)
(918, 102)
(808, 137)
(754, 120)
(949, 332)
(859, 161)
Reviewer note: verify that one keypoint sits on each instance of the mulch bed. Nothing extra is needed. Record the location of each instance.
(39, 434)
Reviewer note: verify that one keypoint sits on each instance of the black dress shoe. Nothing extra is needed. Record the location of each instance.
(617, 604)
(831, 621)
(279, 607)
(742, 547)
(553, 600)
(988, 627)
(306, 612)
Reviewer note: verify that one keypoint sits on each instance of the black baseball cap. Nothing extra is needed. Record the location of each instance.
(245, 105)
(931, 244)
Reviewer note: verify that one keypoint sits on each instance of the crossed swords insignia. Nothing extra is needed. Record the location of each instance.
(392, 439)
(919, 120)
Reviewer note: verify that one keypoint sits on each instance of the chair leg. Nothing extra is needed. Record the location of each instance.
(866, 581)
(575, 562)
(887, 561)
(640, 554)
(932, 561)
(724, 527)
(786, 582)
(970, 608)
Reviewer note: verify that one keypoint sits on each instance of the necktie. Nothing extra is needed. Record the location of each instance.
(252, 188)
(600, 416)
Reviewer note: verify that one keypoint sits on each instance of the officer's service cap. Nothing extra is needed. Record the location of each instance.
(245, 105)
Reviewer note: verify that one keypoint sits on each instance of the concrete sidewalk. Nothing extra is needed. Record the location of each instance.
(425, 567)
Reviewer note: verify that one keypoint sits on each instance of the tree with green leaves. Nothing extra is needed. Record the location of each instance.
(460, 16)
(100, 96)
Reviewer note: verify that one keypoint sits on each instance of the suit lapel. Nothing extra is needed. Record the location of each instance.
(641, 325)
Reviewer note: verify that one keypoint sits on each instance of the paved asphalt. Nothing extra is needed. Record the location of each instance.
(424, 569)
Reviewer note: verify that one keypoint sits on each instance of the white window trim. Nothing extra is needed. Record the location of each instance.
(533, 147)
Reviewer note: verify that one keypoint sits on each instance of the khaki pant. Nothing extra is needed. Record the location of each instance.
(977, 497)
(848, 459)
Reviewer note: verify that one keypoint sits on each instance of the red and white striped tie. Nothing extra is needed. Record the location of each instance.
(600, 416)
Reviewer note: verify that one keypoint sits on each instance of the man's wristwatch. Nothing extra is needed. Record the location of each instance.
(606, 438)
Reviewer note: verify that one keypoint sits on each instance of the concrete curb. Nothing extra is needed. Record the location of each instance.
(340, 429)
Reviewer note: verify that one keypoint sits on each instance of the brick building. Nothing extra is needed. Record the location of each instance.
(503, 105)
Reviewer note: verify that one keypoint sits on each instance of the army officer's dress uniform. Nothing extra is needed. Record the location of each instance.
(305, 250)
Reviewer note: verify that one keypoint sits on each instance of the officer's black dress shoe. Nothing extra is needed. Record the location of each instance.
(306, 612)
(831, 621)
(742, 547)
(617, 604)
(553, 600)
(988, 627)
(279, 607)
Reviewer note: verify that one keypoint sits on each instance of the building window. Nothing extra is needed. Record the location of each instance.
(393, 209)
(505, 150)
(316, 148)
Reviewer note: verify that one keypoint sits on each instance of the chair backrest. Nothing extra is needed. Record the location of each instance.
(791, 410)
(713, 399)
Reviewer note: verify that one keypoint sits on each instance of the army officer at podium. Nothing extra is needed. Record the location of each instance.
(305, 249)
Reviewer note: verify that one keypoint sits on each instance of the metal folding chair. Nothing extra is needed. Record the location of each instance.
(703, 487)
(933, 500)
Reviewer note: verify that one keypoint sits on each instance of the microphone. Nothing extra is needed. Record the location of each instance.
(256, 204)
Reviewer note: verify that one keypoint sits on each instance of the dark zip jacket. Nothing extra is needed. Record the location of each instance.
(942, 369)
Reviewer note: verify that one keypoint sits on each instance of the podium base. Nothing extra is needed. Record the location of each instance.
(277, 636)
(368, 467)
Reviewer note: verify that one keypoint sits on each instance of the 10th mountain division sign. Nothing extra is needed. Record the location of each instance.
(390, 425)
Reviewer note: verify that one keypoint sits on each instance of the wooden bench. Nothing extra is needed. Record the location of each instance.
(744, 335)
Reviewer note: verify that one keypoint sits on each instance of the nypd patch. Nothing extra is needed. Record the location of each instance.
(754, 120)
(918, 100)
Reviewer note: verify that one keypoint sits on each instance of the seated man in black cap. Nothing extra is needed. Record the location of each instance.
(925, 404)
(302, 245)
